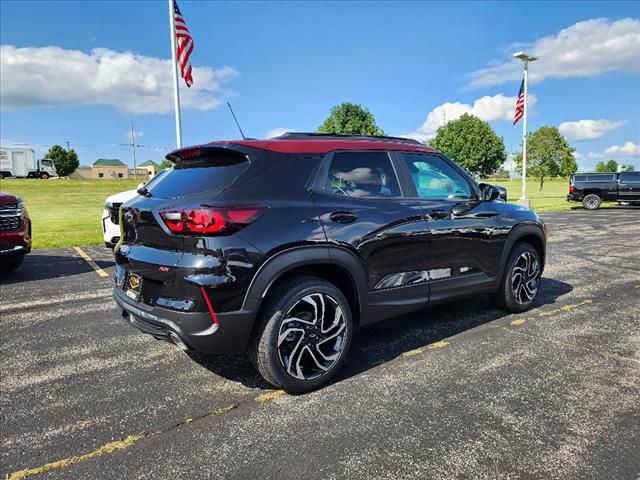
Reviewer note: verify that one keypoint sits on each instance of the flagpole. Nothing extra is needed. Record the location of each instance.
(525, 59)
(174, 66)
(524, 135)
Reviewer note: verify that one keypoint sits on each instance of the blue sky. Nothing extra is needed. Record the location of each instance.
(80, 72)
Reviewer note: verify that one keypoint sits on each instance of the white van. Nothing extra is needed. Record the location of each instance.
(20, 162)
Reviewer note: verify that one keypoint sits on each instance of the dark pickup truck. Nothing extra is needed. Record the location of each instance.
(594, 188)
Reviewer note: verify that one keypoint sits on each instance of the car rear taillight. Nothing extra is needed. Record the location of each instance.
(210, 220)
(572, 188)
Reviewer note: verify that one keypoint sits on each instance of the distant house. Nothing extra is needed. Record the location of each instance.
(151, 166)
(112, 169)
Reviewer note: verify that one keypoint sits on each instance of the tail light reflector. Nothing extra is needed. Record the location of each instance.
(572, 188)
(210, 220)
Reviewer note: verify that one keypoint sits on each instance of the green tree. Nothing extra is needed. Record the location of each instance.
(502, 173)
(568, 165)
(548, 155)
(350, 118)
(165, 164)
(65, 161)
(627, 168)
(605, 167)
(472, 143)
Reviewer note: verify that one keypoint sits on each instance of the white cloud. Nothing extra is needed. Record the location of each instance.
(276, 132)
(588, 129)
(488, 108)
(584, 49)
(51, 76)
(629, 153)
(629, 149)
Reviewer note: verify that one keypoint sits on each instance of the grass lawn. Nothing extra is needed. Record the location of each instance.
(68, 212)
(552, 197)
(65, 212)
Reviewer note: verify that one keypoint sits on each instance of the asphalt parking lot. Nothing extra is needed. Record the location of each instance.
(456, 391)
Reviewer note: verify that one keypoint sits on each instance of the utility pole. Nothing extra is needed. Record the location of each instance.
(133, 151)
(67, 142)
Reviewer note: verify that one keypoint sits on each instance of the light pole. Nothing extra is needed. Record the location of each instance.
(525, 59)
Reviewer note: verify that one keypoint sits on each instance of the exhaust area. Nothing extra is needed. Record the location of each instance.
(175, 339)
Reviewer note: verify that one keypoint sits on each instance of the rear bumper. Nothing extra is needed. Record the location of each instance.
(196, 329)
(574, 197)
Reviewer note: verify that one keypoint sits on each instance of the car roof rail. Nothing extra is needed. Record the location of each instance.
(343, 136)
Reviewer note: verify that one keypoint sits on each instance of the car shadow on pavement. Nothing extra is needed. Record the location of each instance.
(44, 267)
(386, 340)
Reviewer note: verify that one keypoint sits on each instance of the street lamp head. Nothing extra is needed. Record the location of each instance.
(525, 57)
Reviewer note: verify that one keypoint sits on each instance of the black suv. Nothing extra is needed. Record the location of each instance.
(593, 188)
(282, 247)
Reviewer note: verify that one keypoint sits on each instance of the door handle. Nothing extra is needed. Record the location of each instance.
(343, 217)
(438, 215)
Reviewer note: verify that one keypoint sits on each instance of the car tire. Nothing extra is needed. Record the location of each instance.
(521, 279)
(44, 176)
(591, 201)
(303, 334)
(10, 264)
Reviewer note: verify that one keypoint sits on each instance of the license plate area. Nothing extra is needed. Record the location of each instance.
(133, 286)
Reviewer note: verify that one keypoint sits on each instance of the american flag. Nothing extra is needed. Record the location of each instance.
(184, 45)
(519, 104)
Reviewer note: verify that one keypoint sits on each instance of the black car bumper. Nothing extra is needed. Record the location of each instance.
(572, 197)
(195, 329)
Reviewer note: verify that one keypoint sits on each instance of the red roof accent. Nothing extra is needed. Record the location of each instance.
(322, 146)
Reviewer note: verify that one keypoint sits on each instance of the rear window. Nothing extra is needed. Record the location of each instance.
(214, 170)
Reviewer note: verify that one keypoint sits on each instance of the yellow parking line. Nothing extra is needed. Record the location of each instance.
(431, 346)
(90, 261)
(107, 448)
(411, 353)
(270, 395)
(555, 311)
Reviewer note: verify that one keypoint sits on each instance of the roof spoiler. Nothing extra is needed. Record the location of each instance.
(196, 151)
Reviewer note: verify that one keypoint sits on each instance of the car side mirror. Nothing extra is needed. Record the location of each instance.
(489, 192)
(140, 185)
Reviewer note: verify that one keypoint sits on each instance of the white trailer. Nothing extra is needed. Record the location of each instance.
(20, 162)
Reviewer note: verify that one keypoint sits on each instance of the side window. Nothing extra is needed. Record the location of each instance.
(435, 179)
(601, 178)
(630, 177)
(362, 174)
